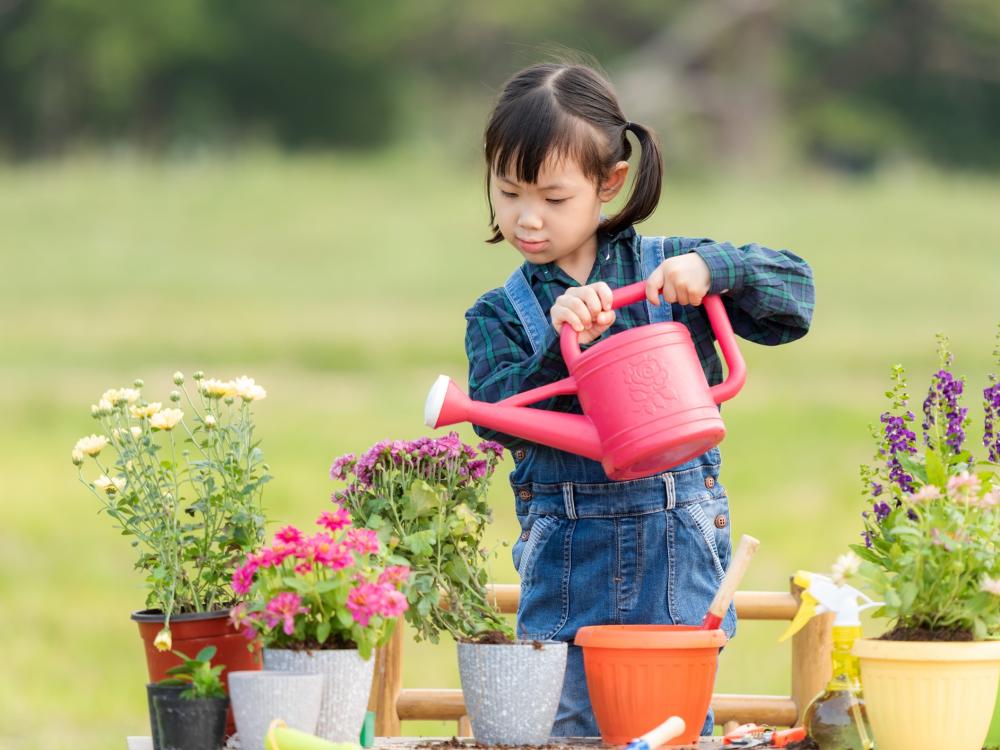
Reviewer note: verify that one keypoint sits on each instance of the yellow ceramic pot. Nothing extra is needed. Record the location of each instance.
(927, 695)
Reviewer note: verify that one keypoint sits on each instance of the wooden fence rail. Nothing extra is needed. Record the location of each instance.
(811, 649)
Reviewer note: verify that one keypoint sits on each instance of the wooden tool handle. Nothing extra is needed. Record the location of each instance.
(672, 727)
(737, 567)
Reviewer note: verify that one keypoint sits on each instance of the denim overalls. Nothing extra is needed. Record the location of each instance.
(598, 552)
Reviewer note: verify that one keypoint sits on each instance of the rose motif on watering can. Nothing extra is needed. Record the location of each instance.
(649, 384)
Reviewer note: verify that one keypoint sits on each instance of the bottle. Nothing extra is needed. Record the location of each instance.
(836, 718)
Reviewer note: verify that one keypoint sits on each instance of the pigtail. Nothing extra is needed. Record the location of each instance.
(648, 181)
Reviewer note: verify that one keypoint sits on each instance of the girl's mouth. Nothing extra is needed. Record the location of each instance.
(531, 247)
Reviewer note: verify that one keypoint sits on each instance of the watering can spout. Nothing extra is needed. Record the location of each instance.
(446, 404)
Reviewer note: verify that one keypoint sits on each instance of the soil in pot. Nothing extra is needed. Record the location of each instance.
(491, 637)
(190, 724)
(926, 634)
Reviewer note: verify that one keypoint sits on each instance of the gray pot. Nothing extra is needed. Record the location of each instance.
(512, 692)
(346, 688)
(260, 697)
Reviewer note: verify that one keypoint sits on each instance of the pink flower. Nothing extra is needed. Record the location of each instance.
(392, 603)
(394, 575)
(334, 520)
(289, 535)
(342, 465)
(326, 551)
(363, 602)
(363, 541)
(991, 499)
(243, 576)
(284, 608)
(964, 487)
(925, 493)
(275, 555)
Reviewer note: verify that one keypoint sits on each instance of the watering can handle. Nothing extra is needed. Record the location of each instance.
(569, 341)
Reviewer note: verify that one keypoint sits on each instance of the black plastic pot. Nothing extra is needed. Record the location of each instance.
(188, 723)
(153, 691)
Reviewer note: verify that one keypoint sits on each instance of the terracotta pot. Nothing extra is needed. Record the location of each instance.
(925, 695)
(638, 675)
(190, 634)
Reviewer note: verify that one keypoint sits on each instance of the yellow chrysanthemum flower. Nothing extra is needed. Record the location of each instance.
(217, 388)
(147, 411)
(247, 389)
(91, 445)
(166, 419)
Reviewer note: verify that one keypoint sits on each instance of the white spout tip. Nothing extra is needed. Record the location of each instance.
(435, 400)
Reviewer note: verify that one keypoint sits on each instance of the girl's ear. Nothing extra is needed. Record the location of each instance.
(616, 180)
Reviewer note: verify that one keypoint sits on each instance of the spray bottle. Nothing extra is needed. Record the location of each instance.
(836, 718)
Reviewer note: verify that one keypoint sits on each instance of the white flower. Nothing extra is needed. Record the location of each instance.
(147, 411)
(217, 388)
(990, 586)
(925, 493)
(77, 456)
(210, 421)
(846, 565)
(136, 432)
(108, 485)
(91, 445)
(116, 396)
(247, 389)
(166, 419)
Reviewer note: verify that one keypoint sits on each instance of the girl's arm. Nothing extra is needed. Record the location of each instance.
(501, 363)
(768, 294)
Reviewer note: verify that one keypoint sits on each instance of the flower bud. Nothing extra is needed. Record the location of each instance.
(178, 378)
(393, 541)
(77, 456)
(138, 383)
(95, 412)
(198, 375)
(228, 400)
(163, 640)
(175, 396)
(210, 421)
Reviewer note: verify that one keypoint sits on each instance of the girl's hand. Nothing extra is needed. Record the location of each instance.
(586, 308)
(683, 278)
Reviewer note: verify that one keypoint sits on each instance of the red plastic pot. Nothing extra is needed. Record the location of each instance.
(191, 633)
(638, 675)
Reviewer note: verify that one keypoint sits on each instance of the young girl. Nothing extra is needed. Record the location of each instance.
(594, 551)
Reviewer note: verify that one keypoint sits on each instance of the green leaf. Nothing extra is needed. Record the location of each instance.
(935, 469)
(323, 631)
(345, 618)
(206, 654)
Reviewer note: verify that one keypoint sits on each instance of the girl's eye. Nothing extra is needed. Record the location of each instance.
(557, 201)
(505, 194)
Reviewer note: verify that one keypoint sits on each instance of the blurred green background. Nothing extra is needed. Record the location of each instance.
(293, 191)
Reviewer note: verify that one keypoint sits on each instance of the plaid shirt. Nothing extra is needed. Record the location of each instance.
(768, 294)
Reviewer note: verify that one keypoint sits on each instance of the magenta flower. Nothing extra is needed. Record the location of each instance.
(364, 601)
(363, 541)
(283, 608)
(392, 603)
(243, 576)
(289, 535)
(334, 520)
(341, 465)
(325, 551)
(394, 575)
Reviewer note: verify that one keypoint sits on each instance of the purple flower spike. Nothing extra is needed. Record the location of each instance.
(991, 422)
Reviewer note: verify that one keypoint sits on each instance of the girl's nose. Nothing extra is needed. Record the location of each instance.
(529, 220)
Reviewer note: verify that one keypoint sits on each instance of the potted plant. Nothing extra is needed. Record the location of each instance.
(188, 708)
(185, 485)
(930, 553)
(427, 500)
(321, 603)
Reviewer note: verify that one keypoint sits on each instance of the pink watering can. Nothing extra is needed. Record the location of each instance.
(646, 404)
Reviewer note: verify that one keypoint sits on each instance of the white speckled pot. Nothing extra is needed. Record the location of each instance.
(512, 691)
(348, 683)
(260, 697)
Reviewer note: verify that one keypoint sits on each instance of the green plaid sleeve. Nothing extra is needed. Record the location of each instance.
(769, 293)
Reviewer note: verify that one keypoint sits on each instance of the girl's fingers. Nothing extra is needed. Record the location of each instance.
(669, 292)
(653, 286)
(605, 295)
(683, 297)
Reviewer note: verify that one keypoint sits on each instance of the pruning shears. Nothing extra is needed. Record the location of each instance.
(759, 735)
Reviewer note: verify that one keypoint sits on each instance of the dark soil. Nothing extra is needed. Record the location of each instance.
(456, 744)
(332, 644)
(926, 634)
(807, 744)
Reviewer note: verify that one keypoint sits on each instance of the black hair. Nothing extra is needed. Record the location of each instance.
(569, 110)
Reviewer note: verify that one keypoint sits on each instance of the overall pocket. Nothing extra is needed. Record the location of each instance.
(703, 550)
(543, 564)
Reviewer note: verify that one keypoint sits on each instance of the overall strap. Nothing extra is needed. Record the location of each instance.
(651, 251)
(528, 310)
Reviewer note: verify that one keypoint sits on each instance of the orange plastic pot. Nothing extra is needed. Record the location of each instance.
(190, 633)
(639, 675)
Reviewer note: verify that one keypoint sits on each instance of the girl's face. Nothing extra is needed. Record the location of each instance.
(555, 218)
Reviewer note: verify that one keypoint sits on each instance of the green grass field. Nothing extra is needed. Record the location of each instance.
(339, 283)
